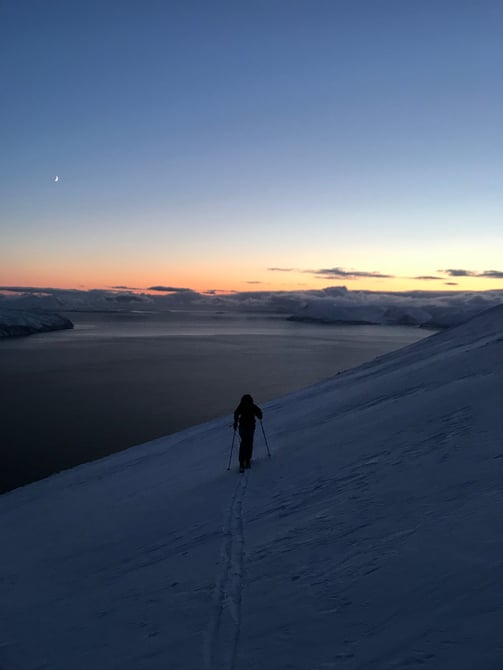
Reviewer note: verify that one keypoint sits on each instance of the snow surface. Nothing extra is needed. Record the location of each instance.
(15, 323)
(370, 540)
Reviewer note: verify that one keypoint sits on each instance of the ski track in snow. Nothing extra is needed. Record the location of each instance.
(222, 637)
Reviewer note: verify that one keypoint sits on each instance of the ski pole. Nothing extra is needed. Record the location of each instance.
(232, 448)
(265, 439)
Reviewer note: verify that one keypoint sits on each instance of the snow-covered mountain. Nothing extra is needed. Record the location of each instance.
(370, 540)
(18, 322)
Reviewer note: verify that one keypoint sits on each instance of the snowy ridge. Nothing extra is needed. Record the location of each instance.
(373, 534)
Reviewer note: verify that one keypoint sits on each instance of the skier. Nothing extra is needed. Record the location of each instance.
(245, 414)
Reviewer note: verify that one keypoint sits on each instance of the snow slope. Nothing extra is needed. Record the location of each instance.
(371, 539)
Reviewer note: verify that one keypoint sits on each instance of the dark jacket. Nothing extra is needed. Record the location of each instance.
(246, 412)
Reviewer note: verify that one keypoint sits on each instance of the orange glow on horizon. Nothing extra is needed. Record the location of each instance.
(236, 280)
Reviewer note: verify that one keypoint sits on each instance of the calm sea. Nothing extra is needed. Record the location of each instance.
(118, 380)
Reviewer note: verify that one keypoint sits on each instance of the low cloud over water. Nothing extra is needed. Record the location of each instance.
(331, 304)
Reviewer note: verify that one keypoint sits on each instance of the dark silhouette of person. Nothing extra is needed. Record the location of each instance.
(245, 414)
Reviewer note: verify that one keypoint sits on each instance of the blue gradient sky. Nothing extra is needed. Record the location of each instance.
(199, 144)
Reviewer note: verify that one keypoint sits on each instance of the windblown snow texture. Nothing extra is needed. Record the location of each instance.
(371, 538)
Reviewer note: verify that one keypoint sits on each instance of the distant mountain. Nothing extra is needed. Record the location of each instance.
(15, 322)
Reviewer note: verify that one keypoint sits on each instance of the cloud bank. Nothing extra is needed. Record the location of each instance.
(334, 304)
(341, 273)
(486, 274)
(169, 289)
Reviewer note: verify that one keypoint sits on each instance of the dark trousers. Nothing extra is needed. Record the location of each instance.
(246, 446)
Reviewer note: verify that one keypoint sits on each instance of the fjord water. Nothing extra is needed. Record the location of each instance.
(121, 379)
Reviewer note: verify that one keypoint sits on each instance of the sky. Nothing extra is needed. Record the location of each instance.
(248, 145)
